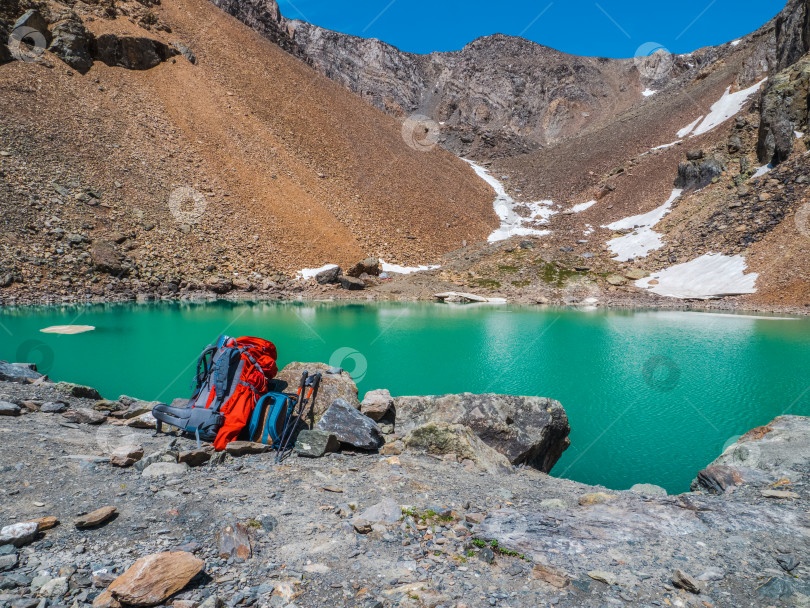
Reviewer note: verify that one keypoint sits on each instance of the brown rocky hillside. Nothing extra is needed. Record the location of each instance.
(291, 172)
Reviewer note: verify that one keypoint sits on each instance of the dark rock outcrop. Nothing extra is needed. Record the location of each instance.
(330, 275)
(698, 173)
(73, 44)
(783, 112)
(527, 430)
(132, 52)
(792, 33)
(370, 266)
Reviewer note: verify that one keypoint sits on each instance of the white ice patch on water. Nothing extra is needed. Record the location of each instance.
(513, 224)
(762, 171)
(728, 106)
(643, 239)
(309, 273)
(405, 269)
(712, 275)
(583, 207)
(648, 92)
(688, 128)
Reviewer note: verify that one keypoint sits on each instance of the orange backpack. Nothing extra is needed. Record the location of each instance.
(232, 376)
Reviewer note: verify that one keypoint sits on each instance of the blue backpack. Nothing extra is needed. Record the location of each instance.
(269, 418)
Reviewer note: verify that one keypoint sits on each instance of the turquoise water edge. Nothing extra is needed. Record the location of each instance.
(651, 396)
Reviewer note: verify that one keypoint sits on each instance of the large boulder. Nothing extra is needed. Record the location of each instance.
(768, 454)
(527, 430)
(333, 386)
(154, 578)
(370, 266)
(73, 44)
(132, 52)
(350, 426)
(378, 404)
(329, 275)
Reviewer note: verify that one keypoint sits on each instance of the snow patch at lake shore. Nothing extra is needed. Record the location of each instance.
(712, 275)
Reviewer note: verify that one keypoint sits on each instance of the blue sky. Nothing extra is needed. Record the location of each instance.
(608, 28)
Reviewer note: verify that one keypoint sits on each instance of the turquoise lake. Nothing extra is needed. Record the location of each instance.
(652, 396)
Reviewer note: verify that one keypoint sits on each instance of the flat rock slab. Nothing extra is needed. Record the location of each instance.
(18, 534)
(350, 426)
(241, 448)
(84, 416)
(234, 541)
(154, 578)
(96, 518)
(166, 469)
(9, 409)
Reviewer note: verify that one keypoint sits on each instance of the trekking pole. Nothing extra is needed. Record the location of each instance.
(313, 382)
(286, 432)
(316, 384)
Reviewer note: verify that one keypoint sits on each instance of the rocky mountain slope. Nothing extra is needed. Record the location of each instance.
(167, 146)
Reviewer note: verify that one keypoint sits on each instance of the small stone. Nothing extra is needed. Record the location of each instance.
(788, 563)
(165, 469)
(234, 541)
(8, 562)
(9, 409)
(604, 577)
(196, 458)
(126, 455)
(96, 518)
(475, 518)
(377, 404)
(45, 523)
(616, 280)
(54, 588)
(18, 534)
(84, 416)
(241, 448)
(53, 407)
(683, 581)
(395, 448)
(154, 578)
(143, 421)
(315, 444)
(595, 498)
(386, 511)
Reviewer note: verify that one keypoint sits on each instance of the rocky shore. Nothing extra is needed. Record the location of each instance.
(447, 505)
